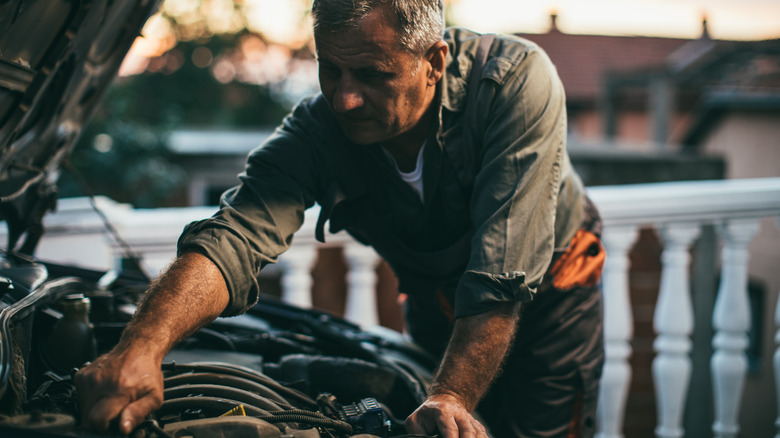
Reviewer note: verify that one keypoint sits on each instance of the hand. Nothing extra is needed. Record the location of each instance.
(447, 415)
(125, 385)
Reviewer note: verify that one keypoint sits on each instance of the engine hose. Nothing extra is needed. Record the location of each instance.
(204, 334)
(254, 376)
(412, 382)
(221, 391)
(313, 420)
(231, 381)
(299, 412)
(213, 406)
(353, 346)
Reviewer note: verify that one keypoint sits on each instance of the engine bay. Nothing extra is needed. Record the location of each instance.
(276, 371)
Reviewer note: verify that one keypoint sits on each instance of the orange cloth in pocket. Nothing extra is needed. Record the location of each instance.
(581, 264)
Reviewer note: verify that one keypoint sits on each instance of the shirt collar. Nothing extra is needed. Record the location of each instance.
(453, 84)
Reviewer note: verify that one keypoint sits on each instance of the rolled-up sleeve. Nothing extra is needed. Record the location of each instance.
(513, 204)
(257, 218)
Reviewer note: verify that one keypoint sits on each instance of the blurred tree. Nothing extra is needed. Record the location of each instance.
(123, 152)
(124, 160)
(179, 89)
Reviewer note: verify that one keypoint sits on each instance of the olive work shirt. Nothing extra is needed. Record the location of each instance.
(499, 190)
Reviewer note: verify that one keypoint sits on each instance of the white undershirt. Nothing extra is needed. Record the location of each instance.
(414, 178)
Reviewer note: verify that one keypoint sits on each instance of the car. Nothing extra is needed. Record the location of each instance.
(276, 371)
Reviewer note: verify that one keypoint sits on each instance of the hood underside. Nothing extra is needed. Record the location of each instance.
(57, 59)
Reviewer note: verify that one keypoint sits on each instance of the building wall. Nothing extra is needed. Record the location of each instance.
(750, 141)
(586, 124)
(633, 128)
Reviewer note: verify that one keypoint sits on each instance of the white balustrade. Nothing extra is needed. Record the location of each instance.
(673, 321)
(776, 361)
(618, 330)
(677, 210)
(296, 281)
(361, 294)
(731, 320)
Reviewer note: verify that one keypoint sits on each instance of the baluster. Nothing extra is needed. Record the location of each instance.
(673, 321)
(776, 361)
(296, 278)
(618, 331)
(361, 279)
(731, 321)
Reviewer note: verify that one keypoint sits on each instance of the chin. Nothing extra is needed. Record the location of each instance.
(363, 140)
(362, 136)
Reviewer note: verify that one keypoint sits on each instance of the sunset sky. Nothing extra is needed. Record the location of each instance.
(287, 23)
(727, 19)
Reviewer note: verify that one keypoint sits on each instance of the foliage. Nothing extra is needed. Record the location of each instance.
(123, 152)
(126, 161)
(179, 93)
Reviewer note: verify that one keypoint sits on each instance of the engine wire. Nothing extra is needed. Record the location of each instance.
(128, 251)
(226, 380)
(250, 375)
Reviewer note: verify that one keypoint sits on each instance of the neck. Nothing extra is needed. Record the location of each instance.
(405, 147)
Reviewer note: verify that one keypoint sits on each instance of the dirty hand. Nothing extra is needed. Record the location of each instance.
(444, 413)
(123, 384)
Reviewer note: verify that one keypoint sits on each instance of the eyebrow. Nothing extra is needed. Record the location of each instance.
(374, 65)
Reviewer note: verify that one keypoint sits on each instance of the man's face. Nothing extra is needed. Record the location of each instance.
(376, 90)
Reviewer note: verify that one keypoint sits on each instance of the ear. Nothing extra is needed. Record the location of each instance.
(436, 56)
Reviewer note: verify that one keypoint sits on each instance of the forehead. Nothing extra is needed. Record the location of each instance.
(375, 37)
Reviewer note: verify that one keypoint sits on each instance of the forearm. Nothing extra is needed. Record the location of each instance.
(189, 295)
(475, 354)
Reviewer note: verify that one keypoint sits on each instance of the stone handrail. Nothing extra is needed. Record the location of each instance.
(677, 211)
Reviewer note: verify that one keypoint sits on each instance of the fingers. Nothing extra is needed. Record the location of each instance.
(130, 414)
(98, 415)
(468, 427)
(115, 388)
(416, 424)
(447, 417)
(135, 412)
(98, 408)
(448, 427)
(461, 427)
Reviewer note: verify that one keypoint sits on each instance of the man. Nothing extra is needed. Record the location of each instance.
(447, 155)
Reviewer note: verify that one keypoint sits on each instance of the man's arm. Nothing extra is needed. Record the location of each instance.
(126, 383)
(476, 350)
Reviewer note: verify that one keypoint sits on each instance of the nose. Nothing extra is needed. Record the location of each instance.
(347, 97)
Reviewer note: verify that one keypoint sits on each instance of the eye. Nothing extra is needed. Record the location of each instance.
(328, 69)
(373, 75)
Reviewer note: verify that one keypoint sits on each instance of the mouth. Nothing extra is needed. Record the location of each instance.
(352, 119)
(355, 124)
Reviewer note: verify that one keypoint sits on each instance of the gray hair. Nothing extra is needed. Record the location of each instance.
(420, 22)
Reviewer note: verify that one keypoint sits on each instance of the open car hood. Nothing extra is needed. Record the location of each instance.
(57, 59)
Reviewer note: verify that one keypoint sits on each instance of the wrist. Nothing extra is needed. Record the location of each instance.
(439, 393)
(136, 345)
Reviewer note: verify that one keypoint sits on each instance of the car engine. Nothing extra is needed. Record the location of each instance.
(276, 371)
